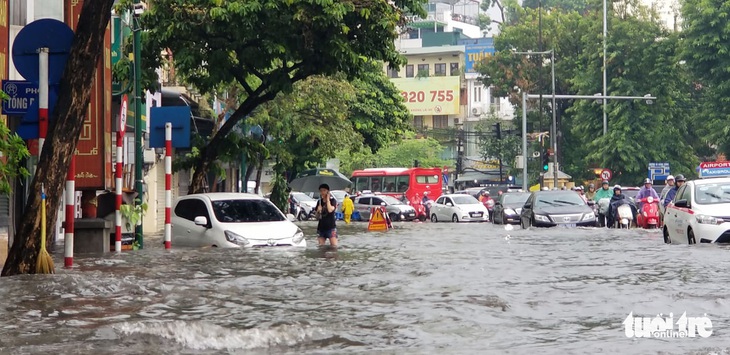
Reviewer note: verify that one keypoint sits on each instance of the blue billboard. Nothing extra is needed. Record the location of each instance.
(475, 50)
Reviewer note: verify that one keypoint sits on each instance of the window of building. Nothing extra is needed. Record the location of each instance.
(422, 70)
(439, 69)
(18, 12)
(418, 122)
(455, 69)
(477, 93)
(493, 100)
(441, 121)
(392, 73)
(409, 71)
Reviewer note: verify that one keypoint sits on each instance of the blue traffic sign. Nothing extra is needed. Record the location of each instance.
(179, 116)
(28, 128)
(44, 33)
(22, 96)
(659, 171)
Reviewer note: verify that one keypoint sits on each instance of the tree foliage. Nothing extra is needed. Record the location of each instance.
(643, 58)
(268, 45)
(397, 154)
(706, 49)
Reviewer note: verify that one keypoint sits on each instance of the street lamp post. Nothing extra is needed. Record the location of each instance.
(138, 147)
(554, 126)
(605, 32)
(648, 98)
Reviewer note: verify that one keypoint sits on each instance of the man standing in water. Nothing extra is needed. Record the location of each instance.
(326, 228)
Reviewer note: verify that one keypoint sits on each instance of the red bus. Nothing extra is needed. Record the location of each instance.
(398, 181)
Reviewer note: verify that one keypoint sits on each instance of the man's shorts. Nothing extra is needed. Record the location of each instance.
(332, 233)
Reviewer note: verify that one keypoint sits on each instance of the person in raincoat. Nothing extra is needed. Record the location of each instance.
(347, 208)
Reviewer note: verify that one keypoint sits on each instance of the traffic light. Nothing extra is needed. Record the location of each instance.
(545, 159)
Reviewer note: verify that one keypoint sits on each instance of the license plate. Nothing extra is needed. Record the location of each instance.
(568, 225)
(476, 214)
(411, 214)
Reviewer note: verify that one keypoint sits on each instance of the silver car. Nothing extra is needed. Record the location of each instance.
(397, 210)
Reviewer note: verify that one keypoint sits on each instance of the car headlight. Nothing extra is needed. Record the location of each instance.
(298, 237)
(705, 219)
(509, 211)
(236, 239)
(518, 210)
(588, 216)
(542, 218)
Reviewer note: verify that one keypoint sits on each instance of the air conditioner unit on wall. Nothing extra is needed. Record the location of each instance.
(456, 120)
(476, 111)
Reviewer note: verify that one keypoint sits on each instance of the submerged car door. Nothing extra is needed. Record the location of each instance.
(680, 215)
(362, 205)
(447, 211)
(437, 207)
(185, 232)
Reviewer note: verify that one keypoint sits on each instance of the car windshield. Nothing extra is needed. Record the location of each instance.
(246, 211)
(630, 193)
(302, 197)
(339, 194)
(391, 200)
(515, 198)
(464, 200)
(710, 194)
(569, 198)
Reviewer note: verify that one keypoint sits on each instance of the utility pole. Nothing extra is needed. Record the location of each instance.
(138, 147)
(605, 33)
(459, 153)
(499, 137)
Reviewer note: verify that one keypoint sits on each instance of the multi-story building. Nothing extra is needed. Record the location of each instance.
(442, 52)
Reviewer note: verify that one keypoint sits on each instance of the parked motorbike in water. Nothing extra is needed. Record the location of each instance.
(648, 216)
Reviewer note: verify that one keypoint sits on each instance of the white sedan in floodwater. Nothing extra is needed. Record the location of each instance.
(458, 208)
(232, 220)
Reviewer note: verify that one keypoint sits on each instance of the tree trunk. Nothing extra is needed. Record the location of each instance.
(63, 135)
(210, 152)
(259, 171)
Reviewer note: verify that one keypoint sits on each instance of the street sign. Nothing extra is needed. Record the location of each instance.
(715, 169)
(44, 33)
(659, 171)
(28, 128)
(22, 95)
(606, 174)
(123, 115)
(179, 116)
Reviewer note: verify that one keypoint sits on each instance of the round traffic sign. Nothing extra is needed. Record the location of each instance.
(606, 174)
(44, 33)
(123, 115)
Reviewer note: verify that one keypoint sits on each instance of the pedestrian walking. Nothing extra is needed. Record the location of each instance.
(347, 208)
(326, 228)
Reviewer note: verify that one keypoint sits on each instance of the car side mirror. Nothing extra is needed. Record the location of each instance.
(291, 217)
(449, 204)
(201, 221)
(681, 204)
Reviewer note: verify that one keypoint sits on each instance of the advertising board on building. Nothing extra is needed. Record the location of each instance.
(475, 50)
(436, 95)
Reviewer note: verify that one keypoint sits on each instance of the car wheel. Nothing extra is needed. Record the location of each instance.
(394, 217)
(434, 219)
(667, 239)
(691, 236)
(454, 218)
(422, 218)
(302, 216)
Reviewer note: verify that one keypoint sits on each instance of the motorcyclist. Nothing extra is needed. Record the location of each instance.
(426, 201)
(591, 192)
(488, 202)
(579, 190)
(665, 191)
(617, 200)
(673, 191)
(603, 192)
(646, 191)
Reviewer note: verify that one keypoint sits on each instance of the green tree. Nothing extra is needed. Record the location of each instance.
(12, 153)
(505, 148)
(268, 45)
(377, 111)
(706, 46)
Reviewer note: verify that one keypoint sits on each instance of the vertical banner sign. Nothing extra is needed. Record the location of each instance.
(475, 51)
(93, 153)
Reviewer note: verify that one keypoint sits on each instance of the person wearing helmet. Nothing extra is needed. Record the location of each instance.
(603, 192)
(590, 192)
(673, 191)
(665, 191)
(579, 190)
(617, 200)
(646, 191)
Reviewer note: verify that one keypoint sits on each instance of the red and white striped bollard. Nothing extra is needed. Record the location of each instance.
(68, 232)
(168, 184)
(118, 176)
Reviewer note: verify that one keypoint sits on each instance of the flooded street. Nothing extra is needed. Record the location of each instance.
(418, 289)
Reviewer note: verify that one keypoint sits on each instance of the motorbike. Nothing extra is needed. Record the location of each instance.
(648, 217)
(602, 211)
(625, 216)
(421, 213)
